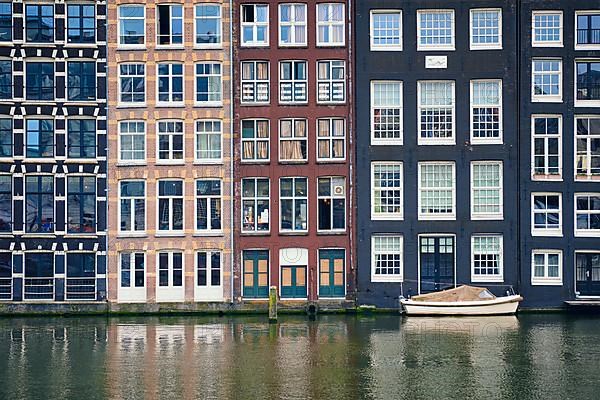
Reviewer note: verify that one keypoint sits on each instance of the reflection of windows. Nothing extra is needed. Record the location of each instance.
(255, 24)
(255, 205)
(6, 79)
(587, 28)
(437, 190)
(39, 276)
(546, 267)
(208, 205)
(546, 147)
(293, 85)
(486, 111)
(6, 137)
(386, 30)
(39, 138)
(81, 276)
(132, 86)
(81, 138)
(39, 204)
(39, 81)
(170, 141)
(331, 196)
(170, 24)
(132, 141)
(587, 137)
(6, 204)
(170, 205)
(292, 24)
(208, 265)
(386, 190)
(39, 23)
(132, 206)
(386, 112)
(486, 258)
(81, 204)
(170, 269)
(546, 214)
(81, 23)
(588, 80)
(208, 83)
(587, 214)
(486, 190)
(255, 82)
(386, 258)
(435, 30)
(170, 82)
(547, 28)
(293, 204)
(255, 140)
(436, 112)
(208, 24)
(6, 21)
(547, 80)
(330, 24)
(331, 139)
(208, 140)
(132, 25)
(331, 81)
(132, 270)
(293, 141)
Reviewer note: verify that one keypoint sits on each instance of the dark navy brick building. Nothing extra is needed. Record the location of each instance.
(437, 147)
(52, 151)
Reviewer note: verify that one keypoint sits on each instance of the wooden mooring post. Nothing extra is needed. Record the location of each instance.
(273, 304)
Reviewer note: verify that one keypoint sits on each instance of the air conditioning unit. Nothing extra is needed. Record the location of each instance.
(338, 190)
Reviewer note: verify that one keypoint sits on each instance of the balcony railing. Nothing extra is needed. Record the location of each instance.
(588, 91)
(5, 288)
(39, 289)
(81, 289)
(588, 36)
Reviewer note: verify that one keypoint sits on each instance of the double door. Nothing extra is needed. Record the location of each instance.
(436, 258)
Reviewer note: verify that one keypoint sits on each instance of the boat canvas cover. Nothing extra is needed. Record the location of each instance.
(461, 293)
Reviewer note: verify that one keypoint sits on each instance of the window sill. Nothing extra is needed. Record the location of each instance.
(481, 279)
(49, 235)
(255, 104)
(549, 99)
(255, 162)
(81, 103)
(293, 162)
(167, 163)
(547, 44)
(261, 233)
(80, 236)
(587, 233)
(331, 103)
(341, 44)
(81, 161)
(82, 45)
(132, 235)
(169, 234)
(541, 282)
(293, 103)
(436, 48)
(487, 217)
(131, 105)
(480, 142)
(208, 162)
(391, 48)
(391, 279)
(131, 164)
(386, 142)
(169, 105)
(54, 43)
(587, 178)
(540, 233)
(587, 46)
(208, 234)
(435, 217)
(331, 161)
(131, 47)
(388, 217)
(208, 105)
(436, 142)
(293, 233)
(473, 47)
(169, 47)
(253, 45)
(217, 46)
(331, 233)
(547, 178)
(587, 103)
(46, 160)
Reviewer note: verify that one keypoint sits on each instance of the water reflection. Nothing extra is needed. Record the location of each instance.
(332, 357)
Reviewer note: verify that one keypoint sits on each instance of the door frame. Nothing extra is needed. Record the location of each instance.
(302, 262)
(319, 273)
(270, 263)
(419, 236)
(575, 274)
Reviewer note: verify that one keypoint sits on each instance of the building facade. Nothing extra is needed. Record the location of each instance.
(293, 150)
(53, 155)
(559, 151)
(437, 147)
(170, 154)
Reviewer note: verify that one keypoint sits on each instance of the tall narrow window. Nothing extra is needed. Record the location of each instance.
(132, 270)
(6, 21)
(293, 141)
(437, 191)
(6, 204)
(255, 82)
(546, 267)
(293, 204)
(170, 141)
(546, 214)
(587, 29)
(39, 23)
(132, 141)
(208, 265)
(331, 198)
(81, 204)
(81, 276)
(293, 84)
(386, 258)
(546, 80)
(208, 205)
(435, 30)
(486, 29)
(209, 90)
(546, 147)
(208, 25)
(386, 190)
(436, 112)
(6, 79)
(132, 86)
(6, 137)
(547, 28)
(132, 25)
(255, 24)
(588, 82)
(39, 78)
(330, 24)
(587, 138)
(81, 23)
(170, 83)
(169, 26)
(132, 206)
(39, 138)
(255, 140)
(386, 30)
(331, 139)
(81, 80)
(486, 258)
(587, 214)
(331, 81)
(255, 205)
(486, 111)
(170, 269)
(81, 138)
(170, 206)
(292, 24)
(39, 204)
(209, 140)
(486, 190)
(386, 112)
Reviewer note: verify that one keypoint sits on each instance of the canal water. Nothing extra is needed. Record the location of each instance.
(332, 357)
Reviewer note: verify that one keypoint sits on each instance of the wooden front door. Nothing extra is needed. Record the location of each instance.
(436, 256)
(587, 267)
(293, 281)
(331, 273)
(256, 273)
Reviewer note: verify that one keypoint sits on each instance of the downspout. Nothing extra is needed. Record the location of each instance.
(231, 163)
(518, 141)
(351, 228)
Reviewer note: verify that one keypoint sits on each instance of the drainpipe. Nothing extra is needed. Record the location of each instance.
(231, 163)
(518, 141)
(351, 228)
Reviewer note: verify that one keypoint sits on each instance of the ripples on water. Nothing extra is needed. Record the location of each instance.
(333, 357)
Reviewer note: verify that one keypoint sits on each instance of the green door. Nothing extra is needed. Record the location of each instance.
(293, 281)
(331, 273)
(256, 273)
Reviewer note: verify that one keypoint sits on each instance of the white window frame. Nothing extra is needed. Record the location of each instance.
(485, 46)
(329, 24)
(131, 294)
(171, 136)
(584, 103)
(293, 82)
(389, 165)
(484, 277)
(487, 140)
(588, 176)
(209, 208)
(420, 108)
(131, 200)
(333, 195)
(255, 199)
(170, 293)
(292, 138)
(331, 83)
(487, 215)
(120, 76)
(546, 136)
(292, 24)
(540, 98)
(121, 161)
(293, 199)
(255, 140)
(547, 280)
(254, 25)
(436, 47)
(216, 45)
(256, 85)
(172, 18)
(208, 292)
(589, 213)
(399, 107)
(209, 103)
(436, 216)
(584, 46)
(393, 253)
(213, 123)
(130, 46)
(556, 232)
(170, 76)
(385, 47)
(170, 198)
(330, 138)
(547, 43)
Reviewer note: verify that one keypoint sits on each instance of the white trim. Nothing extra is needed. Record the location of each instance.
(170, 198)
(255, 140)
(218, 45)
(330, 138)
(546, 231)
(81, 175)
(255, 198)
(170, 293)
(254, 25)
(420, 108)
(212, 121)
(171, 136)
(535, 43)
(582, 251)
(588, 176)
(400, 252)
(584, 103)
(330, 81)
(594, 46)
(399, 106)
(584, 232)
(293, 138)
(292, 81)
(546, 136)
(121, 46)
(329, 24)
(332, 195)
(319, 272)
(255, 82)
(546, 280)
(269, 263)
(385, 47)
(539, 98)
(293, 199)
(488, 278)
(121, 161)
(300, 261)
(172, 18)
(500, 138)
(209, 210)
(208, 292)
(436, 216)
(131, 199)
(292, 24)
(121, 103)
(436, 47)
(446, 235)
(208, 103)
(488, 216)
(485, 46)
(170, 76)
(399, 216)
(53, 176)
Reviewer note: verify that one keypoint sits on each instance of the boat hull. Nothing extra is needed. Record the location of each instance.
(499, 306)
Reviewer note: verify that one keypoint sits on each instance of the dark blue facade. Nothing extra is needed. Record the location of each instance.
(53, 156)
(436, 252)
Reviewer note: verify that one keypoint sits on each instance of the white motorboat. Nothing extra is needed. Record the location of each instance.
(463, 300)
